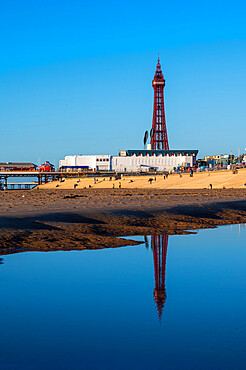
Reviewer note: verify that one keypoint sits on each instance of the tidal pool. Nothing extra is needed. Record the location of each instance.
(174, 302)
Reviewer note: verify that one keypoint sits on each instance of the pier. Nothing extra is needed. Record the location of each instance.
(40, 177)
(21, 185)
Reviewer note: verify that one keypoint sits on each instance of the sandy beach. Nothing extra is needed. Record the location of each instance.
(48, 220)
(218, 179)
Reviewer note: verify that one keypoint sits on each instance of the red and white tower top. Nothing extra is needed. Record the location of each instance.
(159, 140)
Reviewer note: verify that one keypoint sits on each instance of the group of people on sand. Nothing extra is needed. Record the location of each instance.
(117, 177)
(113, 186)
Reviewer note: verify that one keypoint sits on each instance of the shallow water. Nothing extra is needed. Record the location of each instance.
(96, 309)
(17, 180)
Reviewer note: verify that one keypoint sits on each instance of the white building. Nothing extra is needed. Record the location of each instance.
(90, 162)
(131, 161)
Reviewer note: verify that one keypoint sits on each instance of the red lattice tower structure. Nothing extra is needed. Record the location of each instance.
(159, 245)
(159, 140)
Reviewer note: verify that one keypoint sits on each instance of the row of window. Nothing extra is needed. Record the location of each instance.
(153, 163)
(160, 155)
(102, 159)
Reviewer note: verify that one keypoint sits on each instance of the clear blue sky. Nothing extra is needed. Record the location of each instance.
(75, 76)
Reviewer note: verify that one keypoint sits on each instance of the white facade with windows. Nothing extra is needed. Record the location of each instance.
(131, 161)
(145, 163)
(92, 162)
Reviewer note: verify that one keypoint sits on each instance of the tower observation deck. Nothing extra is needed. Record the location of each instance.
(159, 140)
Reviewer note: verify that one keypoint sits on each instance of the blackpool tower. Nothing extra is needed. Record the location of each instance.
(159, 140)
(159, 246)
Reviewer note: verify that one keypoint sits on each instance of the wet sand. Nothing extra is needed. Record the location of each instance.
(50, 220)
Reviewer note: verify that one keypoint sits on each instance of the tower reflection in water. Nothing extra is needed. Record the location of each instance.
(159, 245)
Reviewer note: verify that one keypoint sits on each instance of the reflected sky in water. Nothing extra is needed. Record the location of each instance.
(99, 309)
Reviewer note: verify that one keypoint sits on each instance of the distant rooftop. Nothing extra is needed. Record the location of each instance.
(17, 164)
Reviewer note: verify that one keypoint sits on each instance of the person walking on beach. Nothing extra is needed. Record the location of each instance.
(119, 185)
(113, 185)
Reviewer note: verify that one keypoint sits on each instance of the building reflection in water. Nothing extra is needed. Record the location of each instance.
(159, 247)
